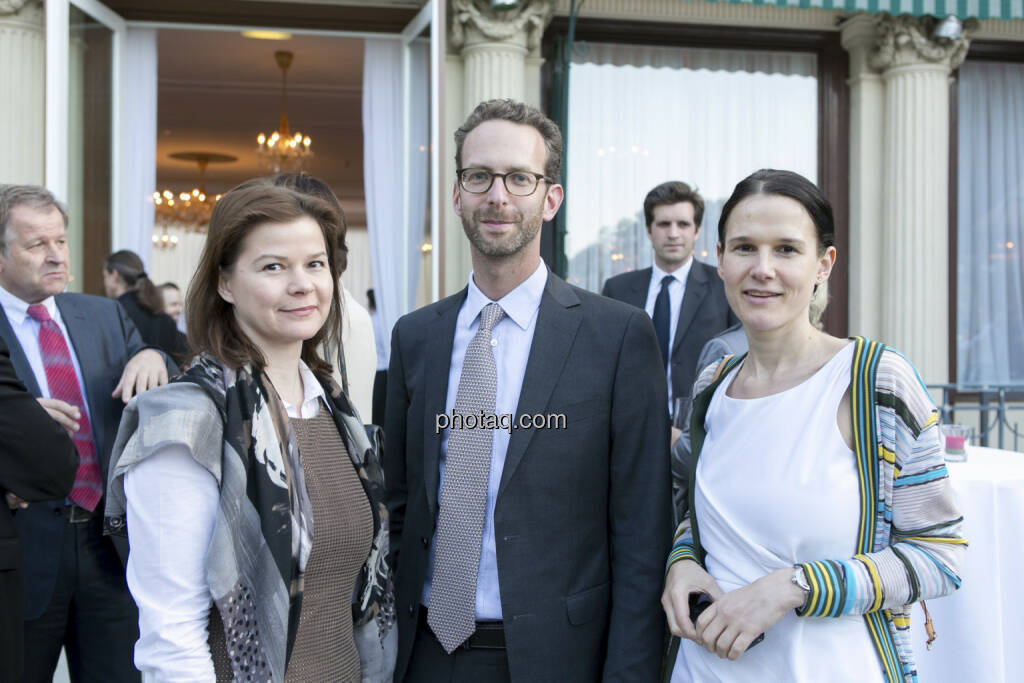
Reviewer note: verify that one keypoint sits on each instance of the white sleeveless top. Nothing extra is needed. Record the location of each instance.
(776, 485)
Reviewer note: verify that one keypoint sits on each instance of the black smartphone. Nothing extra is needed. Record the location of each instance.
(700, 602)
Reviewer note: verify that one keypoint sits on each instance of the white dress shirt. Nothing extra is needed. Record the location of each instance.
(26, 329)
(676, 290)
(511, 340)
(171, 511)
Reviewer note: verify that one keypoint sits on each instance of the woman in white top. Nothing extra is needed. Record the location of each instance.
(252, 497)
(809, 496)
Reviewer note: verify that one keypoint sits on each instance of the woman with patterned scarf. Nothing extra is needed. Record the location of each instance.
(251, 495)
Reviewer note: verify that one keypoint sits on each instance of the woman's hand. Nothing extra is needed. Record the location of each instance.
(731, 623)
(684, 578)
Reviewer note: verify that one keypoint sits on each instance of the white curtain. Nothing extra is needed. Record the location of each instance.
(394, 244)
(137, 161)
(641, 115)
(990, 223)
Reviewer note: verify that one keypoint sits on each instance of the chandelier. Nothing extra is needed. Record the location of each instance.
(282, 149)
(186, 211)
(165, 240)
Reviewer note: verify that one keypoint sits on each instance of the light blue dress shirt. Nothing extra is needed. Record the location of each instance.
(511, 340)
(27, 331)
(676, 291)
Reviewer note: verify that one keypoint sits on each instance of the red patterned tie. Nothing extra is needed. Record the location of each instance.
(60, 375)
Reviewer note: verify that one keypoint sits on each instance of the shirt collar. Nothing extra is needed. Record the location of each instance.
(520, 304)
(680, 273)
(312, 391)
(17, 309)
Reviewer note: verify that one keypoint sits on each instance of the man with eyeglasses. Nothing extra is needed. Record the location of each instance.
(524, 553)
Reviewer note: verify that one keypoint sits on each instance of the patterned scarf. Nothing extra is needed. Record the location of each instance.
(251, 565)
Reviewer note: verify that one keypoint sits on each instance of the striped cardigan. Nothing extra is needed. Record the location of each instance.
(908, 546)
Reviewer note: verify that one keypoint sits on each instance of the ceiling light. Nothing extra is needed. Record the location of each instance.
(188, 211)
(267, 35)
(283, 150)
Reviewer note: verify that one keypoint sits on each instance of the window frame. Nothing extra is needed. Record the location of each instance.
(833, 111)
(988, 51)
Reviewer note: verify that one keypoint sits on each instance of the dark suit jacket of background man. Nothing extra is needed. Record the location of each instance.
(104, 339)
(582, 517)
(38, 462)
(703, 313)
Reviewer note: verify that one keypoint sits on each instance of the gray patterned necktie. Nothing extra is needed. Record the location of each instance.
(460, 519)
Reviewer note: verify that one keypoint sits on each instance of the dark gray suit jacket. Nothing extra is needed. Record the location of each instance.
(38, 462)
(703, 314)
(104, 338)
(582, 518)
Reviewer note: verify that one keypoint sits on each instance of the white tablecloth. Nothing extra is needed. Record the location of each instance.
(981, 627)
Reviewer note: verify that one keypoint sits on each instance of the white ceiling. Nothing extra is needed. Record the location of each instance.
(217, 90)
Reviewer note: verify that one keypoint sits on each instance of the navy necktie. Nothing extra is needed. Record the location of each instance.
(662, 318)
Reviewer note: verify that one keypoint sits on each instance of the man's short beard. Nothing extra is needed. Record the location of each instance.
(528, 228)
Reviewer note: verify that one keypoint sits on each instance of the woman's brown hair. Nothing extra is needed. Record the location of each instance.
(212, 327)
(129, 266)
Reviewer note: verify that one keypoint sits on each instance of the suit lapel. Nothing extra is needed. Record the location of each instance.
(639, 285)
(696, 290)
(18, 358)
(441, 337)
(558, 320)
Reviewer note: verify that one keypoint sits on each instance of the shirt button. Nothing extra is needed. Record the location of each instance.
(424, 541)
(494, 342)
(412, 609)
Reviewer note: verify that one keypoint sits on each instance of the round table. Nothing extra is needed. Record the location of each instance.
(981, 627)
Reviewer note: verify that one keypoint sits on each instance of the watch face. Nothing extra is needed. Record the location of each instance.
(800, 579)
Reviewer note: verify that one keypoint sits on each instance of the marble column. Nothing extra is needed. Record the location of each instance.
(867, 107)
(914, 255)
(500, 55)
(22, 76)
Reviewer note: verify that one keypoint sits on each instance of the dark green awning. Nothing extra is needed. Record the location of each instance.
(978, 9)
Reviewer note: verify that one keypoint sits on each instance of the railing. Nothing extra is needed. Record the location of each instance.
(993, 406)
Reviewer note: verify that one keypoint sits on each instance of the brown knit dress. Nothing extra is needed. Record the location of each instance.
(324, 648)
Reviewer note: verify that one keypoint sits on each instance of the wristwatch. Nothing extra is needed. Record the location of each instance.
(799, 579)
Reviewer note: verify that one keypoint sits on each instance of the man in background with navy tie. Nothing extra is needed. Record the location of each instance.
(684, 297)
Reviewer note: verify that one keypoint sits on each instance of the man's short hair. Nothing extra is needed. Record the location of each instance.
(516, 112)
(673, 192)
(32, 196)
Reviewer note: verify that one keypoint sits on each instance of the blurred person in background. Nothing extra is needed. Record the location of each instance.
(172, 300)
(125, 279)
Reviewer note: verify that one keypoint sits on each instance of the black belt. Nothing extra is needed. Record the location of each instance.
(489, 635)
(78, 515)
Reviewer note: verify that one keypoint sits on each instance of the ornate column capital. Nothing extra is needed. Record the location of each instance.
(9, 7)
(908, 40)
(475, 21)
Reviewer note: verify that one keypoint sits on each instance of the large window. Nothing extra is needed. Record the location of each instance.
(990, 223)
(642, 115)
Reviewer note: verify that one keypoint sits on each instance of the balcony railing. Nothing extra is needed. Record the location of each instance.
(999, 406)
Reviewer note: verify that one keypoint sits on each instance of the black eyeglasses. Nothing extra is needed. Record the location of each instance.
(518, 183)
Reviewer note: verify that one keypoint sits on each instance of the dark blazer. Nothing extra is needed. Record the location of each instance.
(157, 329)
(104, 338)
(703, 314)
(38, 462)
(582, 517)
